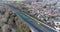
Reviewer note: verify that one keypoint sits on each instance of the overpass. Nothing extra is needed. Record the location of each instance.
(32, 22)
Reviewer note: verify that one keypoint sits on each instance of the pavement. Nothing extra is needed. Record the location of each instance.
(31, 21)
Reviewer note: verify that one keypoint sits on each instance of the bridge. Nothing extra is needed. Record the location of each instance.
(32, 22)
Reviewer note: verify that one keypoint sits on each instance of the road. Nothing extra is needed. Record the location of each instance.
(31, 21)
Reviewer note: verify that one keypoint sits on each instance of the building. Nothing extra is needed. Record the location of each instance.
(57, 26)
(58, 4)
(31, 0)
(50, 1)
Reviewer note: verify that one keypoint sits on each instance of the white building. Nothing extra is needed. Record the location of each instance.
(58, 4)
(57, 26)
(50, 1)
(31, 0)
